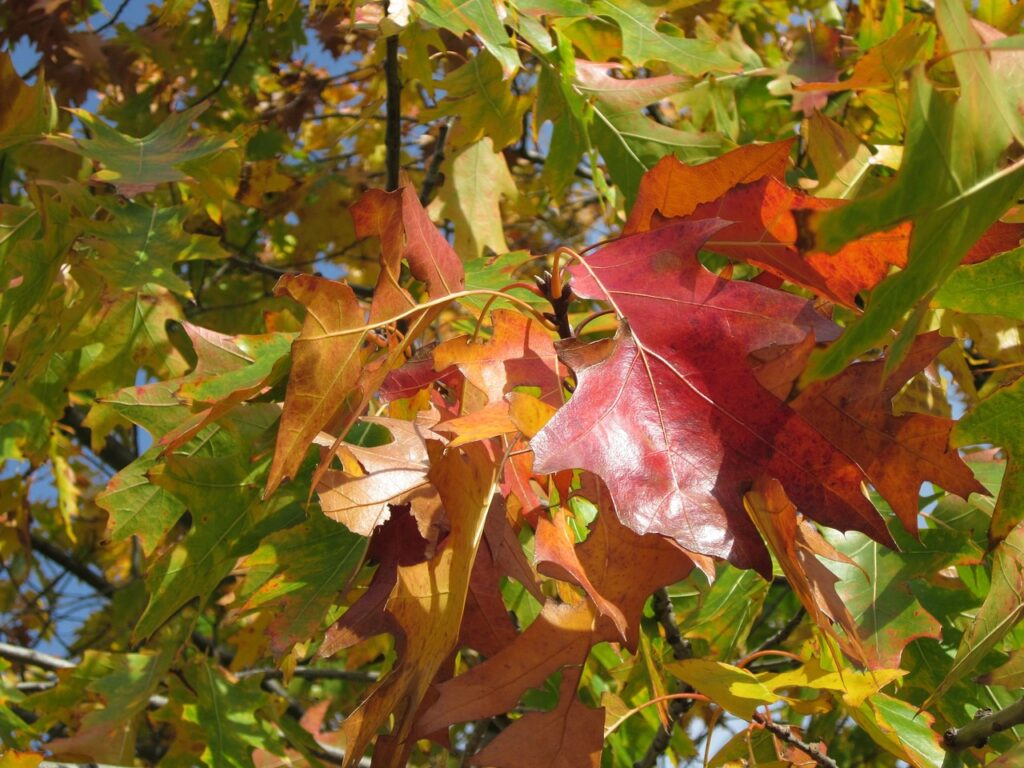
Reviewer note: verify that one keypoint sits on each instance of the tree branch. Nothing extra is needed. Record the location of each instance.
(115, 453)
(977, 732)
(113, 19)
(785, 733)
(681, 649)
(433, 174)
(234, 58)
(34, 658)
(393, 129)
(72, 565)
(783, 633)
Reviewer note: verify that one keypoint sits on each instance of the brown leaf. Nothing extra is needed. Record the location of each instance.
(426, 606)
(395, 473)
(560, 636)
(406, 233)
(569, 736)
(325, 368)
(795, 543)
(897, 453)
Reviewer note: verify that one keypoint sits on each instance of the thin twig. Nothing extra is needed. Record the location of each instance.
(977, 732)
(113, 19)
(433, 174)
(71, 564)
(681, 649)
(785, 733)
(234, 58)
(787, 629)
(393, 129)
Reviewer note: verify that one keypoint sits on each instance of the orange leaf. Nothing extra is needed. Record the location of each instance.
(672, 188)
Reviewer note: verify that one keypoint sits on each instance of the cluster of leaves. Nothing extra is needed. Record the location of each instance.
(300, 468)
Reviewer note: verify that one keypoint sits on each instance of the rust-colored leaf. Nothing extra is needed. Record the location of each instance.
(569, 736)
(560, 636)
(326, 367)
(426, 606)
(795, 543)
(897, 453)
(406, 233)
(669, 413)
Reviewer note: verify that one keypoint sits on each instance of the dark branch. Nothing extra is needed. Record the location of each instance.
(787, 629)
(113, 19)
(433, 175)
(977, 732)
(72, 565)
(114, 453)
(234, 58)
(785, 733)
(393, 129)
(681, 649)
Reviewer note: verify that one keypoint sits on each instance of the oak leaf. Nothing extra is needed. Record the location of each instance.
(669, 413)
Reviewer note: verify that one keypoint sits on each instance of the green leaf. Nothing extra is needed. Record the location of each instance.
(296, 574)
(645, 38)
(138, 507)
(136, 165)
(999, 614)
(901, 729)
(27, 111)
(215, 478)
(727, 611)
(953, 185)
(475, 181)
(875, 588)
(999, 419)
(480, 17)
(138, 246)
(993, 287)
(477, 93)
(226, 711)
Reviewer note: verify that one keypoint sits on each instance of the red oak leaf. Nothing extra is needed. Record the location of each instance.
(405, 232)
(897, 453)
(670, 414)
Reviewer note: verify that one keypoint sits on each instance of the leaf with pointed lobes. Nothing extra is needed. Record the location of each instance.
(569, 736)
(383, 477)
(765, 222)
(999, 419)
(397, 543)
(1002, 610)
(954, 183)
(561, 636)
(326, 366)
(795, 544)
(426, 606)
(406, 233)
(897, 453)
(605, 565)
(670, 414)
(519, 353)
(673, 188)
